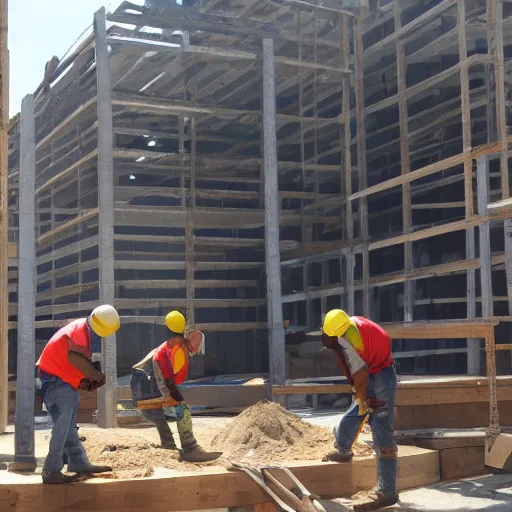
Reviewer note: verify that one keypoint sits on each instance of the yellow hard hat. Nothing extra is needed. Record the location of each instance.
(175, 322)
(336, 323)
(105, 321)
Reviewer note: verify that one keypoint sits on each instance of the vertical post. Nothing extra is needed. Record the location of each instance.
(499, 80)
(361, 156)
(405, 166)
(4, 218)
(473, 345)
(189, 230)
(347, 161)
(482, 174)
(272, 256)
(25, 384)
(106, 394)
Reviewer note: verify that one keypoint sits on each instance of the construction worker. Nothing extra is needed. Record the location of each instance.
(363, 350)
(65, 366)
(158, 375)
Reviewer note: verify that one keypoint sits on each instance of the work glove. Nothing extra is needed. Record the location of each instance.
(180, 412)
(95, 384)
(374, 403)
(84, 384)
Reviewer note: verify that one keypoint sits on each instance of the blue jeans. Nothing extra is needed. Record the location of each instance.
(381, 385)
(61, 401)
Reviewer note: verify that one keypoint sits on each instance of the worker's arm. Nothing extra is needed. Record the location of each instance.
(160, 380)
(83, 365)
(360, 379)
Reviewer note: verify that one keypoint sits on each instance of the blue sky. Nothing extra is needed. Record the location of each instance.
(38, 30)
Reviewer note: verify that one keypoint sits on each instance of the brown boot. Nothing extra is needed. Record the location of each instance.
(337, 456)
(56, 477)
(375, 500)
(197, 454)
(91, 470)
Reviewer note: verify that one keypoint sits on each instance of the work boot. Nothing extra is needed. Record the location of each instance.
(90, 470)
(195, 453)
(166, 437)
(338, 456)
(56, 477)
(375, 500)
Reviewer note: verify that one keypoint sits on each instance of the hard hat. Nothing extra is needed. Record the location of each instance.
(105, 321)
(336, 323)
(175, 322)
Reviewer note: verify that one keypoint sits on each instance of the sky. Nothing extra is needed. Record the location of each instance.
(38, 30)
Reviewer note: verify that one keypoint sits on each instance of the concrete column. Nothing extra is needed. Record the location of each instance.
(106, 394)
(25, 384)
(272, 256)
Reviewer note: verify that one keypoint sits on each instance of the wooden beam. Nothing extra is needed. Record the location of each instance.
(25, 385)
(106, 394)
(4, 216)
(199, 490)
(484, 238)
(473, 353)
(405, 164)
(501, 121)
(272, 256)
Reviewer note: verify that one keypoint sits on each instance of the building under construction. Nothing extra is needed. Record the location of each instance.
(355, 153)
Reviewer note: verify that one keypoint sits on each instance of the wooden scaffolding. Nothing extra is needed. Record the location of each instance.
(356, 155)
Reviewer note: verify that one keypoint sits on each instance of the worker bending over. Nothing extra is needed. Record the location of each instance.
(65, 366)
(157, 377)
(363, 350)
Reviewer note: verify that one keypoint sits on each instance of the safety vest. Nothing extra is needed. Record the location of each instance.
(376, 345)
(173, 361)
(54, 358)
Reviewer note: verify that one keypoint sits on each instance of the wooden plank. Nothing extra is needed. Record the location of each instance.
(484, 238)
(463, 462)
(405, 165)
(106, 394)
(452, 416)
(199, 490)
(4, 215)
(213, 395)
(272, 202)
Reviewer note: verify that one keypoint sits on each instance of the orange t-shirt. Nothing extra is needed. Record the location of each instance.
(54, 358)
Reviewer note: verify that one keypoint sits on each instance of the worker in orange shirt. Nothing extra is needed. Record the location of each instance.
(158, 375)
(363, 350)
(65, 366)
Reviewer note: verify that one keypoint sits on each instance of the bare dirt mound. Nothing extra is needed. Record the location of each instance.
(268, 433)
(131, 455)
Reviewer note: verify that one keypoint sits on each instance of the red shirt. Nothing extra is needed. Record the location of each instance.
(173, 361)
(376, 345)
(54, 358)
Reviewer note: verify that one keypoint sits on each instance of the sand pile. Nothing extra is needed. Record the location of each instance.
(130, 454)
(268, 433)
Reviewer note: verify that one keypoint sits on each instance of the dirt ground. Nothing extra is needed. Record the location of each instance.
(264, 433)
(267, 434)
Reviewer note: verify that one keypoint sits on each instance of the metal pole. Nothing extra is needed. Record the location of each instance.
(106, 394)
(24, 442)
(272, 256)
